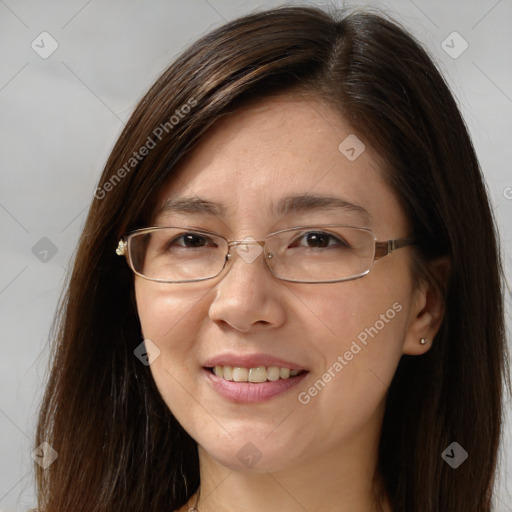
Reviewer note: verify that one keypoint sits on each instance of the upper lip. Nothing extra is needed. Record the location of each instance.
(251, 361)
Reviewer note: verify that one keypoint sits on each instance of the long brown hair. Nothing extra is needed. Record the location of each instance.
(119, 446)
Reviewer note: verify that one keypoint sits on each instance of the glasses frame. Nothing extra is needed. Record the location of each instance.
(381, 249)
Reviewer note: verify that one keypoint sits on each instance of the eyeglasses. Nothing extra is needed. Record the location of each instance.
(305, 254)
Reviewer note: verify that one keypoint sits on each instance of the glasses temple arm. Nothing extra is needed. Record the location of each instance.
(384, 248)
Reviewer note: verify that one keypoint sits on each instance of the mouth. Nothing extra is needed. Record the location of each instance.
(256, 375)
(251, 378)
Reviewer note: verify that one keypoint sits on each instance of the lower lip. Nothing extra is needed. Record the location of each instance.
(250, 392)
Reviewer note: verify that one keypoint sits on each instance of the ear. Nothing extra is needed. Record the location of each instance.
(427, 310)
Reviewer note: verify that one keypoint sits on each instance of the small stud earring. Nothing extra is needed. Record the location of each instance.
(423, 341)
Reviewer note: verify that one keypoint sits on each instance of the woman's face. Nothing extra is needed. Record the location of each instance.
(347, 336)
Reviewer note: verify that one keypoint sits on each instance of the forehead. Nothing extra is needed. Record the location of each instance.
(259, 160)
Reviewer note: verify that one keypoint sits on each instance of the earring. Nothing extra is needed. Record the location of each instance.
(423, 341)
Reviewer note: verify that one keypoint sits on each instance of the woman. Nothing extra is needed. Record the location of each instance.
(287, 295)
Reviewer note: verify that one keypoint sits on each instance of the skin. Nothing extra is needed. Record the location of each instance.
(318, 456)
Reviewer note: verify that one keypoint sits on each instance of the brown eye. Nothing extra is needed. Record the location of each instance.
(321, 239)
(190, 240)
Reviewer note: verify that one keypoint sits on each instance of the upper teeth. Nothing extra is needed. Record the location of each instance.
(258, 374)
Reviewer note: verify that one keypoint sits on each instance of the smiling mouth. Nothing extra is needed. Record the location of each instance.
(254, 375)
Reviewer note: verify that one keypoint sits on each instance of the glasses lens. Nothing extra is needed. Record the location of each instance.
(323, 254)
(177, 254)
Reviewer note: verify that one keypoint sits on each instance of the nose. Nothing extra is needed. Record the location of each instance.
(248, 296)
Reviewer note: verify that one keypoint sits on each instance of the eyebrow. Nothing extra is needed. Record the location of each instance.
(299, 203)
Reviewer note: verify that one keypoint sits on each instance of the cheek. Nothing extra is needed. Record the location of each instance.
(366, 331)
(353, 332)
(165, 312)
(170, 318)
(359, 311)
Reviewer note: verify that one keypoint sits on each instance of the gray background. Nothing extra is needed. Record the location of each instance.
(60, 117)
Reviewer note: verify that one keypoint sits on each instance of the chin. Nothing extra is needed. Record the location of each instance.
(254, 454)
